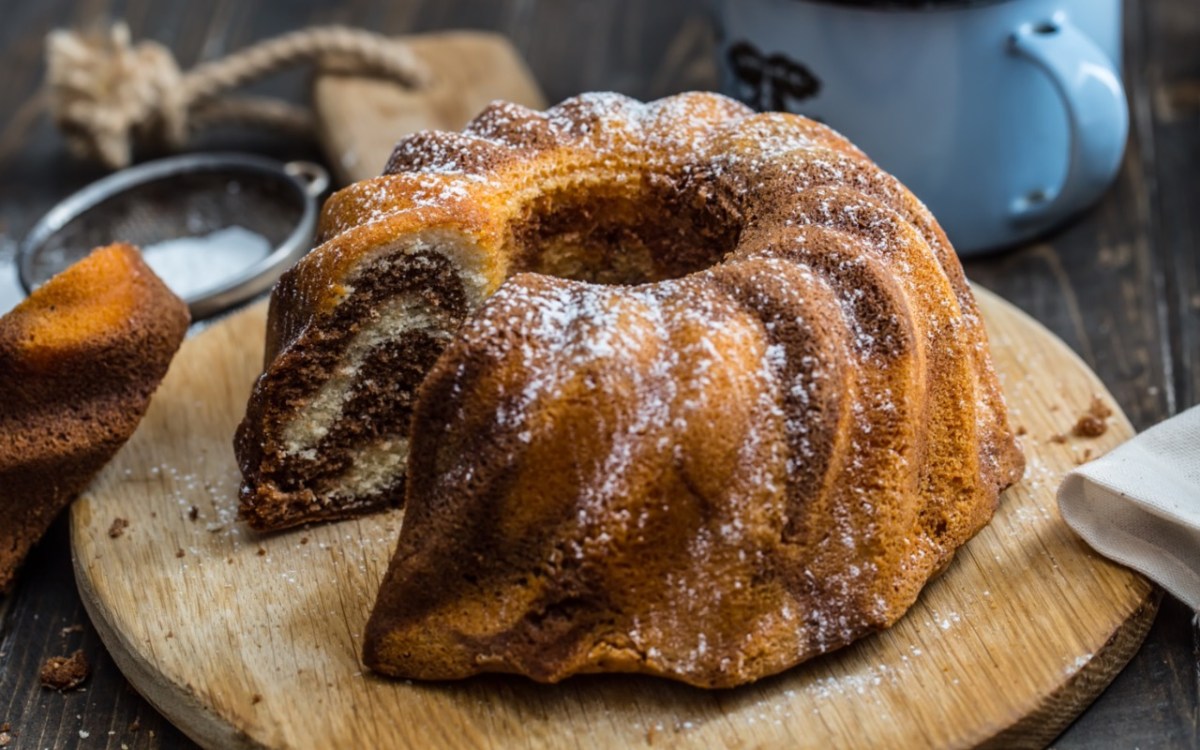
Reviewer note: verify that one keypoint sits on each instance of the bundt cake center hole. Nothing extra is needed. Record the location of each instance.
(613, 234)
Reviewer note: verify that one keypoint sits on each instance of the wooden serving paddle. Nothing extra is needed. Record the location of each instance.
(360, 118)
(253, 641)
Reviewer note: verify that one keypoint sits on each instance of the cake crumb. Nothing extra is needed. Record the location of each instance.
(1089, 427)
(179, 552)
(304, 540)
(1084, 457)
(1093, 422)
(136, 724)
(5, 734)
(1058, 439)
(63, 673)
(76, 628)
(118, 527)
(261, 552)
(193, 513)
(256, 700)
(1021, 431)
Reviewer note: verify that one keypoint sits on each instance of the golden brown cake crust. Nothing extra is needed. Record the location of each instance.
(489, 188)
(79, 360)
(711, 477)
(721, 401)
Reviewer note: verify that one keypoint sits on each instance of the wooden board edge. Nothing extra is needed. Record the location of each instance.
(181, 707)
(1060, 345)
(1061, 708)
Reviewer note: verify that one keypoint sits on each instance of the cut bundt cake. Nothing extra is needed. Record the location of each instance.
(79, 360)
(731, 408)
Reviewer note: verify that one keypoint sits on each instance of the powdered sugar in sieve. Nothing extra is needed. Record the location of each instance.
(218, 228)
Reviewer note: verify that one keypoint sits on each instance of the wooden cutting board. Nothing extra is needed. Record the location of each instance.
(360, 119)
(246, 640)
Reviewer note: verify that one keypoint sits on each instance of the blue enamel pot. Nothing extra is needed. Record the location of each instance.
(1006, 117)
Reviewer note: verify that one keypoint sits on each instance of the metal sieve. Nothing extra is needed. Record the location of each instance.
(210, 198)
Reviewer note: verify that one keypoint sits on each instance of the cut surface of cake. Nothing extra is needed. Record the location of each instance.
(731, 408)
(79, 360)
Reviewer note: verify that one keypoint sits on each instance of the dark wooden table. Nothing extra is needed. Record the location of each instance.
(1121, 285)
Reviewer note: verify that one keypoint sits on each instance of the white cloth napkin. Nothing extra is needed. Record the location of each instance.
(1140, 504)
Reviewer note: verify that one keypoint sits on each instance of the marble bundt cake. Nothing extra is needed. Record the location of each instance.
(79, 360)
(731, 409)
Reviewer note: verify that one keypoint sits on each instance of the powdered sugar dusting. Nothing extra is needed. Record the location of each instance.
(793, 395)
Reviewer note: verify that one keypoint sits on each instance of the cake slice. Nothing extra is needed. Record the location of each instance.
(79, 360)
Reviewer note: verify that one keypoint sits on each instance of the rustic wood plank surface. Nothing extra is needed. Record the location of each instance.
(1121, 285)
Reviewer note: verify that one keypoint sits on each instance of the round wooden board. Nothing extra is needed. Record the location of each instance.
(246, 640)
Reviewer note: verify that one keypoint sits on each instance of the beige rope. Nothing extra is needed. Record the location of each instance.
(107, 93)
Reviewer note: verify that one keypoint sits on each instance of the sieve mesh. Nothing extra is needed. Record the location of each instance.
(175, 206)
(221, 226)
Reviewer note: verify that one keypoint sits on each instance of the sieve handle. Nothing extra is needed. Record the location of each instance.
(311, 176)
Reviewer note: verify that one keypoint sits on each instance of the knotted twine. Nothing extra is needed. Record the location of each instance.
(107, 94)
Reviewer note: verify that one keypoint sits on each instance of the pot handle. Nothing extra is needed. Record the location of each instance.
(1097, 115)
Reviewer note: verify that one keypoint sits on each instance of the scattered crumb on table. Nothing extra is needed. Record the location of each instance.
(118, 527)
(1058, 439)
(63, 673)
(179, 552)
(1093, 422)
(76, 628)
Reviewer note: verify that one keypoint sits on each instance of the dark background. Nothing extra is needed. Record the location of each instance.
(1121, 285)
